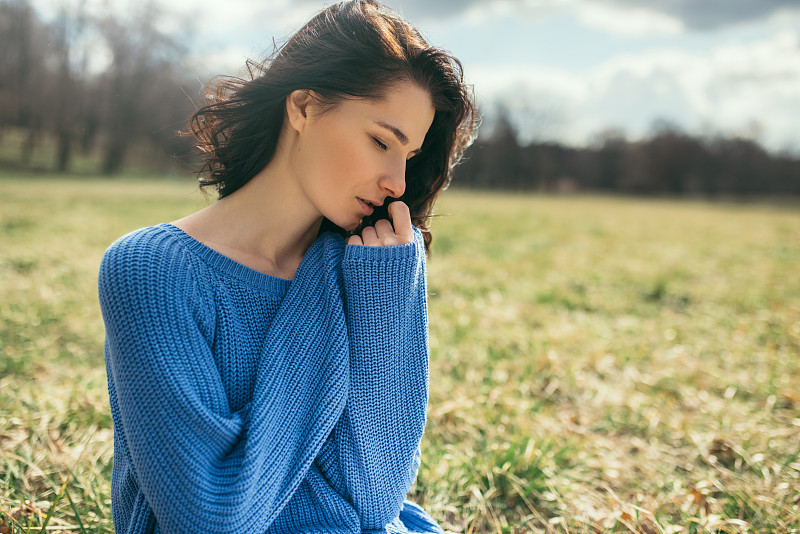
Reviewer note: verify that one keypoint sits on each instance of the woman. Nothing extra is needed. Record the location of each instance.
(264, 373)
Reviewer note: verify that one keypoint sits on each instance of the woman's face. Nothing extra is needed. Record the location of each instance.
(352, 157)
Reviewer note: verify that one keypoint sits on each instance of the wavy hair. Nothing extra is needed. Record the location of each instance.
(353, 49)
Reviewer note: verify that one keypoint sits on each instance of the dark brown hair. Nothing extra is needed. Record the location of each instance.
(353, 49)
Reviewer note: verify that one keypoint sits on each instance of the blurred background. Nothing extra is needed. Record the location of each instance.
(657, 97)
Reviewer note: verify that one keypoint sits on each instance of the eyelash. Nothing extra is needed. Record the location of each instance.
(381, 144)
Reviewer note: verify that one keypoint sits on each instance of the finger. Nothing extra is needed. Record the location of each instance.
(355, 240)
(370, 237)
(385, 232)
(401, 219)
(384, 229)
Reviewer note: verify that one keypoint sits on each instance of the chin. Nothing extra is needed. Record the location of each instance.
(352, 226)
(347, 225)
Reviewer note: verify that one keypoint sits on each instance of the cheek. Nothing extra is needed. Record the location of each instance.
(343, 160)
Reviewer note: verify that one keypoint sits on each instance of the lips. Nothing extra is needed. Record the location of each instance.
(367, 206)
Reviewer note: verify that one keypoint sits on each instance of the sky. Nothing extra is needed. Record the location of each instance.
(568, 70)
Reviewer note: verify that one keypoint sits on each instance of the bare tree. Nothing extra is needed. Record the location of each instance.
(136, 104)
(21, 72)
(68, 28)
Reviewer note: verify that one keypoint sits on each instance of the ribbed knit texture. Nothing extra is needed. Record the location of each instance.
(244, 403)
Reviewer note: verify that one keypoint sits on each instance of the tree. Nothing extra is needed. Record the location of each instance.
(22, 68)
(135, 86)
(68, 28)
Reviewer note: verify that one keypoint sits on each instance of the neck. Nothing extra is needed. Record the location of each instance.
(267, 224)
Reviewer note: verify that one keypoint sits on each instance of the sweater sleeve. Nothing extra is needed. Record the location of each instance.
(378, 435)
(200, 466)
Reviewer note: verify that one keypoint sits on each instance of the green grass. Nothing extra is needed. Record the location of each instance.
(597, 364)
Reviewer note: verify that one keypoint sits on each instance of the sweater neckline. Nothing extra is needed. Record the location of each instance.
(228, 265)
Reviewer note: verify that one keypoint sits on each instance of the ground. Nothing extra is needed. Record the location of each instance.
(597, 364)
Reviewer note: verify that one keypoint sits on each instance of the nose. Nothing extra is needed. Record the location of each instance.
(394, 181)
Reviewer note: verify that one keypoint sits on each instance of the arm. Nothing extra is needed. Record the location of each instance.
(378, 435)
(201, 467)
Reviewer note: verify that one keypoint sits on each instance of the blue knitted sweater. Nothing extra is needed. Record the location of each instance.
(245, 403)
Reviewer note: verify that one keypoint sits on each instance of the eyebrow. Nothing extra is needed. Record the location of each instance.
(403, 138)
(395, 130)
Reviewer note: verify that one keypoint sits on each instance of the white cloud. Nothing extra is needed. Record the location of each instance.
(730, 88)
(627, 21)
(252, 14)
(480, 12)
(785, 18)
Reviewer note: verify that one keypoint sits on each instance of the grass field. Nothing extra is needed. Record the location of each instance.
(597, 364)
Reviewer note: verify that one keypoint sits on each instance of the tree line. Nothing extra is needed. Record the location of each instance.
(668, 162)
(119, 89)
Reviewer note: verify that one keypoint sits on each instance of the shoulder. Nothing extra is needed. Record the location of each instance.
(143, 249)
(147, 259)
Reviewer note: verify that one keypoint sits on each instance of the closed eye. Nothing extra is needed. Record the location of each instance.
(381, 144)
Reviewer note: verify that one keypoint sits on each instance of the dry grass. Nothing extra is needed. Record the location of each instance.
(597, 364)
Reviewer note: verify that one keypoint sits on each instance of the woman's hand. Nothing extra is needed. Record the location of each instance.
(385, 233)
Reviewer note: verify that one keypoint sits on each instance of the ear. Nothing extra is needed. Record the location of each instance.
(297, 108)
